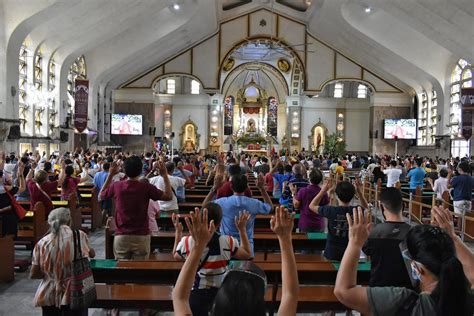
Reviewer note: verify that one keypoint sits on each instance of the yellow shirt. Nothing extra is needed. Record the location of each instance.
(339, 170)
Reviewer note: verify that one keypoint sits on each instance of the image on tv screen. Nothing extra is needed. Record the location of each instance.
(126, 124)
(402, 128)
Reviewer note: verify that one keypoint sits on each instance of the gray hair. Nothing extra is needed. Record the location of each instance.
(57, 218)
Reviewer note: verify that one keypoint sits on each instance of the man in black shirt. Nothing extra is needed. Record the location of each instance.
(264, 168)
(388, 268)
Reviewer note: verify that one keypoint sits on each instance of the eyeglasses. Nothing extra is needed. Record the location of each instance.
(249, 268)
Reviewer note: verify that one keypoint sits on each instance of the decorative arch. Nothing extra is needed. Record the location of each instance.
(279, 42)
(189, 137)
(278, 75)
(174, 74)
(318, 129)
(328, 82)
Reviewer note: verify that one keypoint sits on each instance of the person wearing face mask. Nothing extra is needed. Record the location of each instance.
(8, 215)
(441, 264)
(388, 268)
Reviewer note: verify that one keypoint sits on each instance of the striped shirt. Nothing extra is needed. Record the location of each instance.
(214, 260)
(54, 255)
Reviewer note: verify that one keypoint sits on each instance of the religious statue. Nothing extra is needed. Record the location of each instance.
(251, 126)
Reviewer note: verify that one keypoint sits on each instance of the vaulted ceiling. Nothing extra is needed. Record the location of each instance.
(412, 43)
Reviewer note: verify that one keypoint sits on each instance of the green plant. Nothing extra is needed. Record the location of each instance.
(334, 145)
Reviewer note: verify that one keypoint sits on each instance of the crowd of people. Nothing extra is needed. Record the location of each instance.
(415, 270)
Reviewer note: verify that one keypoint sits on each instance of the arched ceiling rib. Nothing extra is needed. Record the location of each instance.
(123, 38)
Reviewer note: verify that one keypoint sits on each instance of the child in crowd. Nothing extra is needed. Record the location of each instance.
(214, 259)
(336, 215)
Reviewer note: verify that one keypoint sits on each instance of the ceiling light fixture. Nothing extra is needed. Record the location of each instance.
(368, 10)
(176, 6)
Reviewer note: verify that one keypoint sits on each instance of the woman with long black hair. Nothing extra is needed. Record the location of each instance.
(439, 261)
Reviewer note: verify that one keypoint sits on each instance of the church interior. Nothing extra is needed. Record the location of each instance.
(254, 78)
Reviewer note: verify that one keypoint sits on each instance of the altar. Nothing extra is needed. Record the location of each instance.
(255, 115)
(253, 152)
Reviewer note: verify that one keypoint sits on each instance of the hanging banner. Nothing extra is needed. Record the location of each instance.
(467, 106)
(272, 117)
(228, 115)
(81, 102)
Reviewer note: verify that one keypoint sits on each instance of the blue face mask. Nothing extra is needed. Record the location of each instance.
(415, 273)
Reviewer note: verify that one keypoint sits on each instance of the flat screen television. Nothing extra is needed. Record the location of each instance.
(402, 128)
(127, 124)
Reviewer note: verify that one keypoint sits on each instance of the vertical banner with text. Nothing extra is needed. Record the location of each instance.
(467, 106)
(228, 115)
(272, 116)
(81, 102)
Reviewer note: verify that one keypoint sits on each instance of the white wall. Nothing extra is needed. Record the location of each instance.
(357, 116)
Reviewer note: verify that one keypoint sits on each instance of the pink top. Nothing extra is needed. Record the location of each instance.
(153, 211)
(72, 183)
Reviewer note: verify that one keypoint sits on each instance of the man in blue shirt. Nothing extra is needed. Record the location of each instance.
(462, 188)
(238, 202)
(416, 176)
(99, 180)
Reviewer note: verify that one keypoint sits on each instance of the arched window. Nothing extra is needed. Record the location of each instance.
(171, 86)
(23, 84)
(423, 119)
(362, 91)
(77, 70)
(51, 74)
(38, 70)
(195, 87)
(338, 90)
(460, 77)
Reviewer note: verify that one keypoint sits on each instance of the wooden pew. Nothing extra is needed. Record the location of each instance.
(33, 227)
(166, 272)
(263, 242)
(7, 273)
(158, 297)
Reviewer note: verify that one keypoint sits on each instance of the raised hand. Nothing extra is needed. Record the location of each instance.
(260, 181)
(162, 169)
(198, 227)
(114, 168)
(177, 224)
(282, 222)
(218, 181)
(359, 226)
(327, 184)
(443, 218)
(241, 220)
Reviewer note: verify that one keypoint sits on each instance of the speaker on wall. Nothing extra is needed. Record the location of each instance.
(63, 137)
(14, 132)
(376, 134)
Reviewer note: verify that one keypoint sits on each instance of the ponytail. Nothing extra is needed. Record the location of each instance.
(432, 247)
(452, 291)
(55, 226)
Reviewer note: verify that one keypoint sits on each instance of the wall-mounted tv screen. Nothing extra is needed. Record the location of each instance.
(127, 124)
(402, 128)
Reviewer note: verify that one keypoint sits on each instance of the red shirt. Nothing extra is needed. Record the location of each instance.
(226, 191)
(49, 187)
(269, 182)
(131, 205)
(72, 183)
(192, 178)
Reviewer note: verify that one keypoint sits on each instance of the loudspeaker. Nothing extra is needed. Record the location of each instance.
(172, 135)
(376, 134)
(14, 132)
(63, 137)
(437, 142)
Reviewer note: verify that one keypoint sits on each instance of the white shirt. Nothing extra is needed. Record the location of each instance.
(176, 182)
(440, 185)
(393, 176)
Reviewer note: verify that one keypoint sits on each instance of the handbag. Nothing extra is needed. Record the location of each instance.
(19, 210)
(83, 292)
